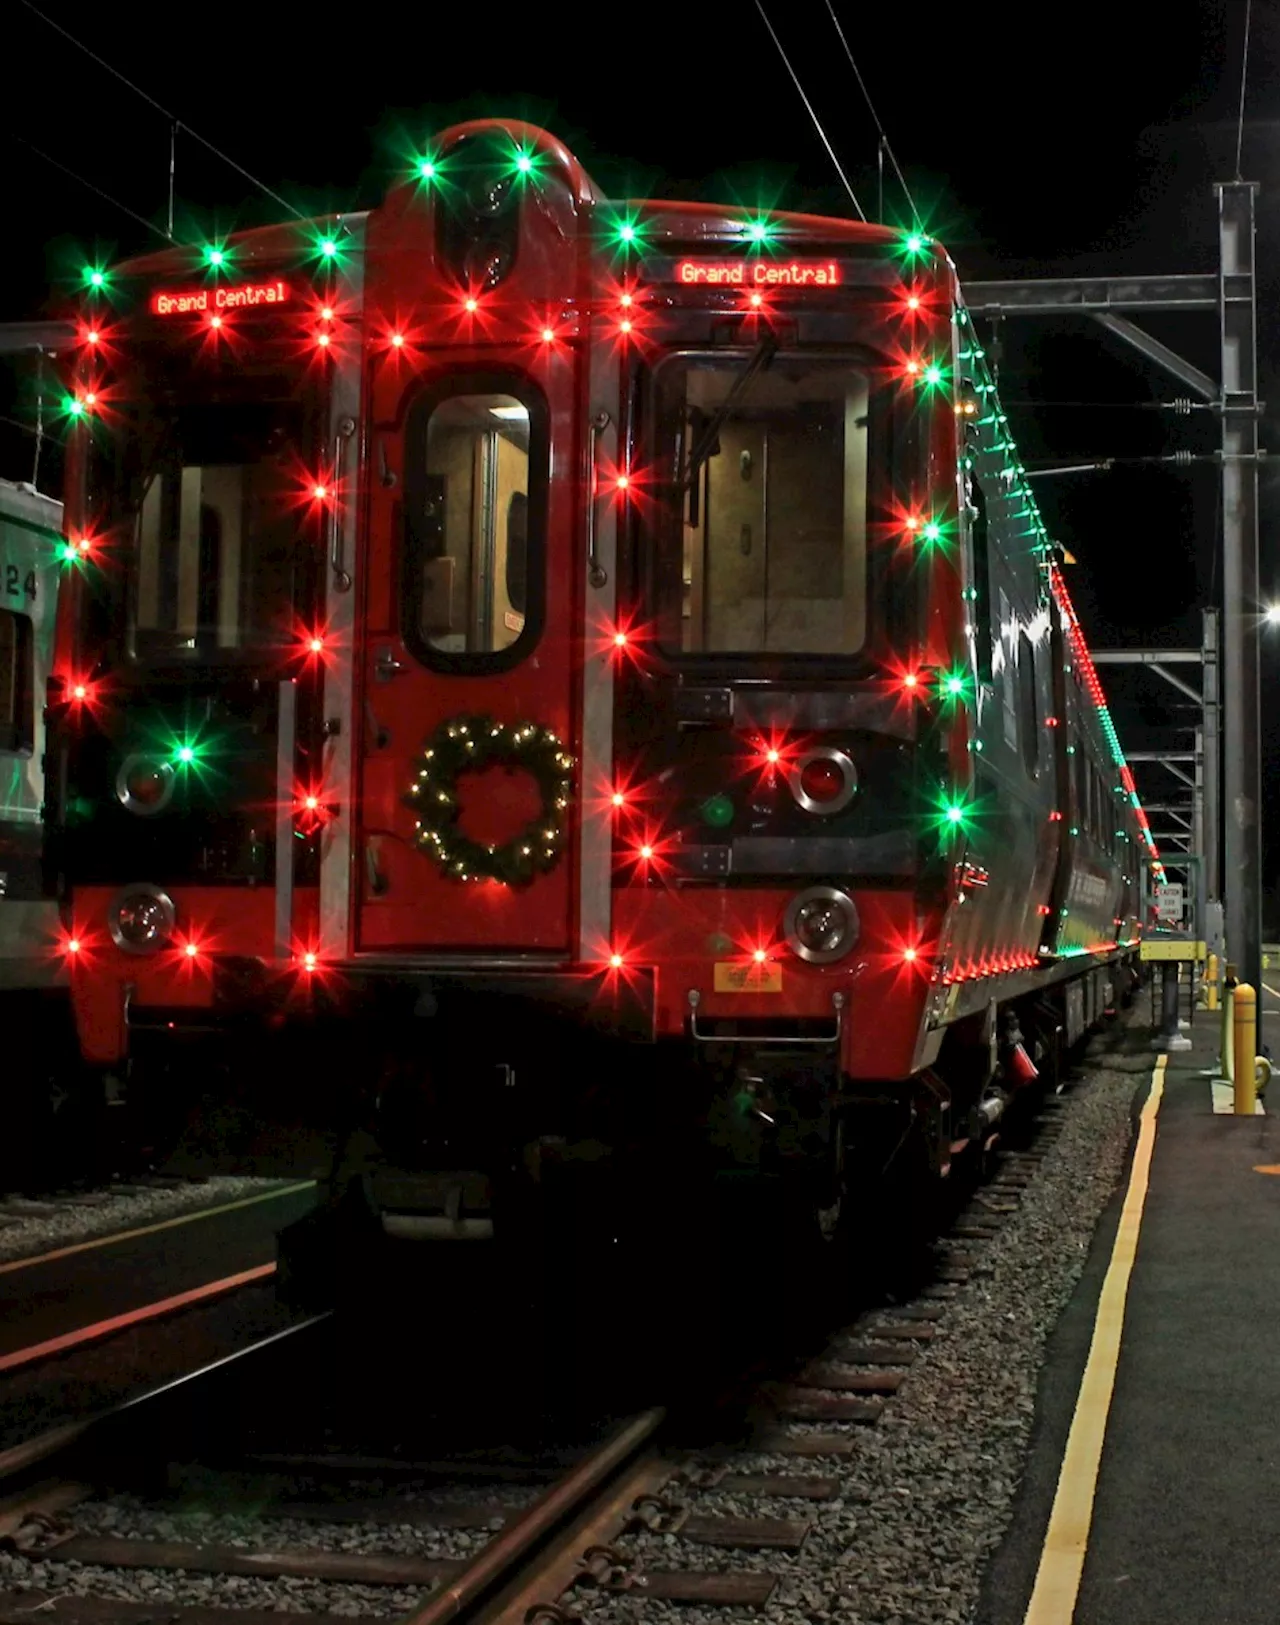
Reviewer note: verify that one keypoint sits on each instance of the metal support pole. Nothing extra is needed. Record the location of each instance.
(1212, 763)
(1239, 408)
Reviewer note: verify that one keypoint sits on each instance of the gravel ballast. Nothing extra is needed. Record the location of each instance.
(27, 1229)
(929, 1491)
(924, 1498)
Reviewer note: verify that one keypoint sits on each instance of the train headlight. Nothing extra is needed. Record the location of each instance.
(821, 924)
(823, 780)
(141, 919)
(145, 784)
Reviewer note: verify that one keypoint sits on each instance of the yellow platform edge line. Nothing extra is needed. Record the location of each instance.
(112, 1236)
(1053, 1598)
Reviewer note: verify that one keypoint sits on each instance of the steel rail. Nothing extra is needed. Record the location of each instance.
(515, 1544)
(19, 1458)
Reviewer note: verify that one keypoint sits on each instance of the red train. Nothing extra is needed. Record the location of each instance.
(564, 656)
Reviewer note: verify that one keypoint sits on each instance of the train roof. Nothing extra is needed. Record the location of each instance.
(23, 502)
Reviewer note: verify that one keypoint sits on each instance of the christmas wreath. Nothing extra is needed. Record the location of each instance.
(467, 745)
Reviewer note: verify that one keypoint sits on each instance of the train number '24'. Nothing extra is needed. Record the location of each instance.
(16, 585)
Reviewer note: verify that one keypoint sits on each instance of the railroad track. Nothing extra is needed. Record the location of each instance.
(494, 1539)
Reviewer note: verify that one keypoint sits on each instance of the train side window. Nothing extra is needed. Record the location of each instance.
(981, 618)
(475, 486)
(1028, 703)
(17, 682)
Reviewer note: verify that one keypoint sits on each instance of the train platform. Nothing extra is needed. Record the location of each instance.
(1153, 1488)
(64, 1298)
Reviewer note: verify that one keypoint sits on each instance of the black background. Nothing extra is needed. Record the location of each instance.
(1035, 141)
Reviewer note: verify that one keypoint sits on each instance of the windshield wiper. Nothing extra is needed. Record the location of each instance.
(761, 356)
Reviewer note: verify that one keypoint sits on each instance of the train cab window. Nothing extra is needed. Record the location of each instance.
(471, 582)
(17, 682)
(218, 560)
(760, 503)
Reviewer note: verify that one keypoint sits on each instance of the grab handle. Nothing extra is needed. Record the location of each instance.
(597, 575)
(341, 576)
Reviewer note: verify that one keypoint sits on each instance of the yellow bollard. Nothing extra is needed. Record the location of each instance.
(1245, 1025)
(1211, 982)
(1226, 1042)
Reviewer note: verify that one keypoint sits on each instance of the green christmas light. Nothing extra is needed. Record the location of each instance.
(952, 816)
(627, 232)
(525, 161)
(72, 407)
(95, 278)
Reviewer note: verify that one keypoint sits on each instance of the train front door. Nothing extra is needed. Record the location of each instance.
(470, 597)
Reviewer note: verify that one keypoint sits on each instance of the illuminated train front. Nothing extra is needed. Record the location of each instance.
(606, 649)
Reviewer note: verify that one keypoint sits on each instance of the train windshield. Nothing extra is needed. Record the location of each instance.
(760, 503)
(213, 502)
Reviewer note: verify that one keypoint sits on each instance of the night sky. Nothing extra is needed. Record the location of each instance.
(1095, 153)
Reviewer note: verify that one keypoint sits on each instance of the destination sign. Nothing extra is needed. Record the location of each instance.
(759, 273)
(237, 296)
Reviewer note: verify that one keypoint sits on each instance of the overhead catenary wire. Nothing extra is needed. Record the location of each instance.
(175, 123)
(809, 108)
(89, 185)
(1244, 80)
(886, 147)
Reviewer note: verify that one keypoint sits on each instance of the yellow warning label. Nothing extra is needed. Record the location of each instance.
(733, 976)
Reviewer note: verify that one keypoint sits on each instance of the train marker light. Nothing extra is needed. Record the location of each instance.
(548, 335)
(191, 950)
(760, 955)
(426, 170)
(717, 810)
(397, 341)
(95, 277)
(615, 961)
(73, 945)
(618, 799)
(471, 305)
(320, 492)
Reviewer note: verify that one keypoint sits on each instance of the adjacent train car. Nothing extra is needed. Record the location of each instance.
(31, 549)
(597, 669)
(41, 1069)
